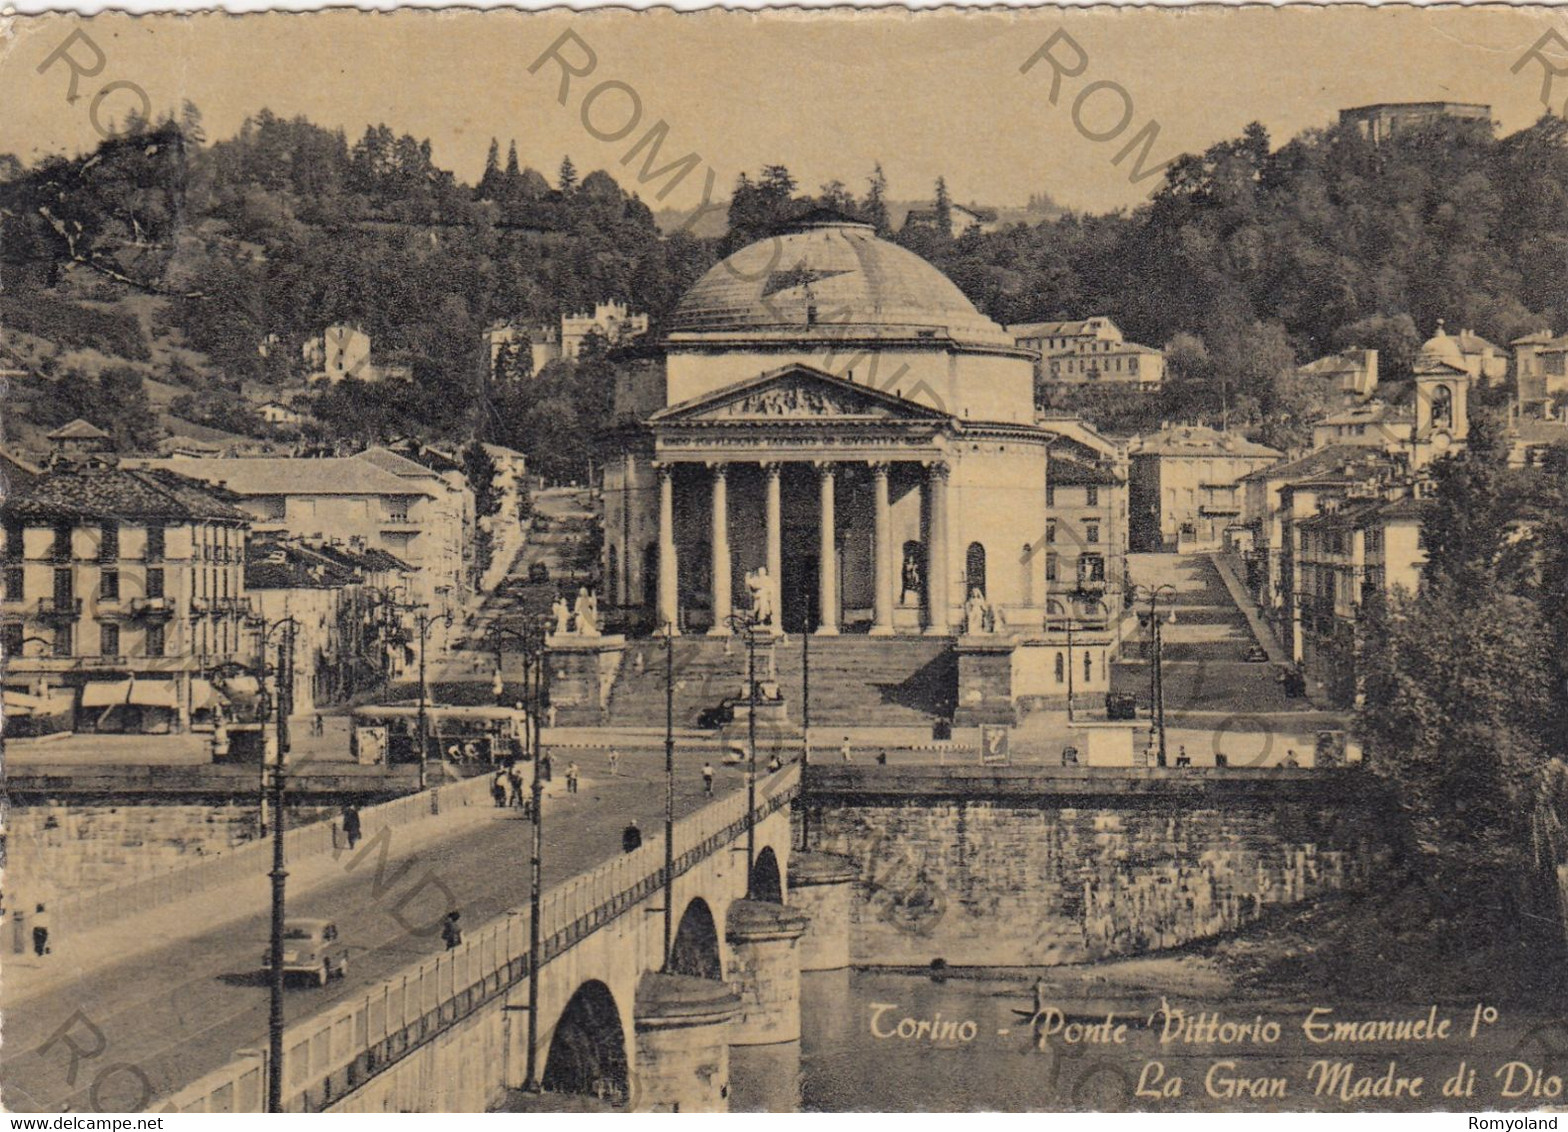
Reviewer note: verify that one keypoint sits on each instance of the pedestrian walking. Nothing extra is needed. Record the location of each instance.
(41, 932)
(615, 761)
(321, 727)
(351, 825)
(707, 779)
(882, 758)
(546, 768)
(844, 750)
(498, 787)
(451, 933)
(550, 715)
(571, 778)
(631, 837)
(514, 778)
(775, 763)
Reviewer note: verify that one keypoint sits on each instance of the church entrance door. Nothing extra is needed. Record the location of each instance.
(798, 592)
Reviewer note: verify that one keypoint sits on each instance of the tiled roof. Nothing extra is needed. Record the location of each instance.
(79, 429)
(1331, 458)
(1200, 440)
(293, 475)
(1069, 473)
(395, 463)
(120, 493)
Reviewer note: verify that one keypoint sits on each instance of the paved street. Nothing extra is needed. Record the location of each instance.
(143, 1027)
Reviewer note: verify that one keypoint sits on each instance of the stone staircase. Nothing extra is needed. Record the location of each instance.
(855, 680)
(1206, 666)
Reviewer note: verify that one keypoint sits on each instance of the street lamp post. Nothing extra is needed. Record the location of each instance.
(279, 707)
(1157, 674)
(424, 622)
(535, 865)
(669, 792)
(530, 641)
(747, 623)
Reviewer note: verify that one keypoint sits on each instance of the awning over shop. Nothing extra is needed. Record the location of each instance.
(106, 693)
(20, 703)
(155, 693)
(204, 697)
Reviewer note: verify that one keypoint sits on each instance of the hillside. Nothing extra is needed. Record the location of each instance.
(208, 266)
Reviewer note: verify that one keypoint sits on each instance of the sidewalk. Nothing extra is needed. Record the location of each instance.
(70, 955)
(1238, 594)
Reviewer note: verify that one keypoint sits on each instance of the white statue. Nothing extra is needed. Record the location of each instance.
(764, 602)
(974, 613)
(587, 611)
(563, 616)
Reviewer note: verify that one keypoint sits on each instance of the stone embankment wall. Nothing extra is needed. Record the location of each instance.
(73, 847)
(1043, 880)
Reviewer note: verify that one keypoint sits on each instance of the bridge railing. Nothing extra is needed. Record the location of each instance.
(337, 1051)
(84, 911)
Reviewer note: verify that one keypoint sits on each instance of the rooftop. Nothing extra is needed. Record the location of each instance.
(294, 475)
(830, 278)
(1200, 440)
(100, 492)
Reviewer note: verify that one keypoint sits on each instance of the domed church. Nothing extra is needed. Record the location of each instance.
(830, 407)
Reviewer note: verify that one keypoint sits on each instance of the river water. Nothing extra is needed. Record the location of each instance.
(979, 1053)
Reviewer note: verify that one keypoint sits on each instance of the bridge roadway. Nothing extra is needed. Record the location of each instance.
(142, 1028)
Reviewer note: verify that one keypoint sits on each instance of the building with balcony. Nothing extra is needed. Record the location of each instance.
(123, 589)
(343, 597)
(1351, 553)
(1185, 486)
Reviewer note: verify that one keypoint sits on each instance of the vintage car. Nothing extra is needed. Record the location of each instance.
(311, 947)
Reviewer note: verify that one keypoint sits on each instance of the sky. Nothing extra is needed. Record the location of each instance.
(826, 93)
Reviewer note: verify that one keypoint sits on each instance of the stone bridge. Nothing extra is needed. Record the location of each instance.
(615, 1020)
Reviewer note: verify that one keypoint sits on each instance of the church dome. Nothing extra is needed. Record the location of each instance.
(834, 279)
(1441, 348)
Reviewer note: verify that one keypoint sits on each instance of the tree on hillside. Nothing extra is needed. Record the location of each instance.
(875, 207)
(567, 178)
(943, 207)
(489, 186)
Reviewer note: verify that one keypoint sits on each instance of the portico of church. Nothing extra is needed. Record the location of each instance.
(872, 514)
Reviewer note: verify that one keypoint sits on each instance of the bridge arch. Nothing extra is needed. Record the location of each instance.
(695, 950)
(588, 1051)
(767, 880)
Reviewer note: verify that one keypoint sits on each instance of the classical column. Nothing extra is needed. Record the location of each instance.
(936, 551)
(827, 557)
(882, 621)
(775, 526)
(669, 592)
(721, 551)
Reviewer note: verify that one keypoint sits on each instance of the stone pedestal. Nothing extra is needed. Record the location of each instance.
(683, 1044)
(821, 885)
(764, 943)
(582, 672)
(985, 681)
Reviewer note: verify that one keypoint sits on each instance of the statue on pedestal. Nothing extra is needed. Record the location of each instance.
(975, 614)
(764, 602)
(587, 613)
(563, 616)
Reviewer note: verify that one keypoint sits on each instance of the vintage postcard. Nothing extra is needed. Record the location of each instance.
(796, 561)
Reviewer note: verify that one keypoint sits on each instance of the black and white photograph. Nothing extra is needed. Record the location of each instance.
(834, 560)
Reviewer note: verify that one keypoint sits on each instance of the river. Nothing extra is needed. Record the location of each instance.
(858, 1052)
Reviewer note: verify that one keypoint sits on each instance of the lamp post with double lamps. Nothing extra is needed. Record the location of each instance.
(529, 640)
(424, 621)
(277, 706)
(1157, 673)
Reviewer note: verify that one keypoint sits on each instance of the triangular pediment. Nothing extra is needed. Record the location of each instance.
(796, 392)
